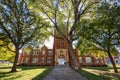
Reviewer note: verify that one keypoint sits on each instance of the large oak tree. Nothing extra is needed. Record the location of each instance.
(18, 26)
(65, 14)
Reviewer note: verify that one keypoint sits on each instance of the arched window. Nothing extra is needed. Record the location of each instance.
(43, 52)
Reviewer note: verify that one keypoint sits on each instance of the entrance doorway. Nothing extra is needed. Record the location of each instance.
(61, 61)
(61, 57)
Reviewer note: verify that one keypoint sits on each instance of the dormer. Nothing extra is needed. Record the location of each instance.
(44, 50)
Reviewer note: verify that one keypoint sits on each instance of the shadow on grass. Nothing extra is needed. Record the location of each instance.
(42, 75)
(102, 68)
(91, 76)
(30, 67)
(4, 74)
(8, 74)
(5, 67)
(11, 76)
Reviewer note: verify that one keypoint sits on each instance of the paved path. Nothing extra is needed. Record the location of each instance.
(64, 73)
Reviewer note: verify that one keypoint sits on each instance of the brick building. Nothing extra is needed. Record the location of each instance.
(57, 56)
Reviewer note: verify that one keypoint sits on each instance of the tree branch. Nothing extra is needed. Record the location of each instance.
(9, 35)
(80, 14)
(10, 48)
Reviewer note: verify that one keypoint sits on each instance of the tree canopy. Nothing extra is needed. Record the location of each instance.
(64, 13)
(19, 26)
(101, 32)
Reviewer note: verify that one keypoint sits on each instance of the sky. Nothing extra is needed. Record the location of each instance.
(49, 43)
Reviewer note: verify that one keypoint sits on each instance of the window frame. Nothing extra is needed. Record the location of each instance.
(88, 59)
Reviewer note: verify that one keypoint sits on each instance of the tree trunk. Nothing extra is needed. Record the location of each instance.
(113, 63)
(75, 63)
(15, 61)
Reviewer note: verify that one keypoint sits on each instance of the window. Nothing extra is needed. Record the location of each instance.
(35, 52)
(49, 60)
(61, 44)
(115, 3)
(50, 52)
(26, 61)
(112, 0)
(43, 52)
(22, 59)
(34, 60)
(88, 60)
(97, 60)
(42, 60)
(117, 61)
(80, 59)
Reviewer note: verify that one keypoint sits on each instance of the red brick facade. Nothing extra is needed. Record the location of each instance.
(91, 61)
(57, 56)
(44, 57)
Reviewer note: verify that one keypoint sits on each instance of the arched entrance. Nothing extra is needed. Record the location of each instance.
(61, 57)
(61, 60)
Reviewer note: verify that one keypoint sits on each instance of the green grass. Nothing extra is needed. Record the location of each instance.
(99, 73)
(24, 72)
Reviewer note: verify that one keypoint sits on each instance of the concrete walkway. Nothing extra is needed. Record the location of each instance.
(64, 73)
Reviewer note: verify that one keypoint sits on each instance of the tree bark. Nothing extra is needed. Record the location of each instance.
(15, 61)
(75, 63)
(113, 63)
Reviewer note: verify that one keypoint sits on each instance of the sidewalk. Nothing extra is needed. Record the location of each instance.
(64, 73)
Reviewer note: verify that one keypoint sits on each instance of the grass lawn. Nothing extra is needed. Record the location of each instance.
(99, 73)
(24, 72)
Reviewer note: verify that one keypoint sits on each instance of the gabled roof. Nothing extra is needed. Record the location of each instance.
(44, 46)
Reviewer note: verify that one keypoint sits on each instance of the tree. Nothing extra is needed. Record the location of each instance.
(5, 54)
(103, 30)
(64, 13)
(28, 49)
(19, 26)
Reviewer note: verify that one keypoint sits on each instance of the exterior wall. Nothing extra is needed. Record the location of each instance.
(63, 55)
(49, 57)
(26, 59)
(40, 57)
(60, 49)
(116, 59)
(91, 61)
